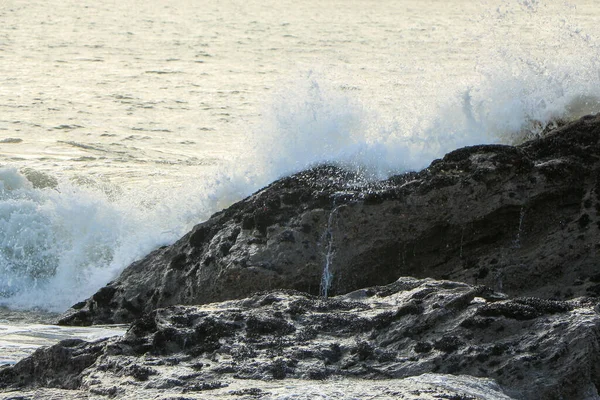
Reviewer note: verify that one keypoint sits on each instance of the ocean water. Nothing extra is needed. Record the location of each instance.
(125, 123)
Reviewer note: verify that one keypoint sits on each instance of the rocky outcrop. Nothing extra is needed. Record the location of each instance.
(501, 242)
(417, 338)
(523, 220)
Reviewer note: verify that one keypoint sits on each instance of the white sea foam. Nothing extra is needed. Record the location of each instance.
(59, 245)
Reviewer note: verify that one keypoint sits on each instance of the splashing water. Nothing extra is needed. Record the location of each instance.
(58, 245)
(515, 95)
(61, 241)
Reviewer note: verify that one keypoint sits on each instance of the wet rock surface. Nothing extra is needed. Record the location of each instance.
(522, 220)
(501, 243)
(522, 348)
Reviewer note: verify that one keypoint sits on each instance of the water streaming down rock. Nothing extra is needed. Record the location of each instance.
(517, 242)
(327, 276)
(329, 254)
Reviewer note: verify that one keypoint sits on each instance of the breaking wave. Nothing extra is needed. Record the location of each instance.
(61, 241)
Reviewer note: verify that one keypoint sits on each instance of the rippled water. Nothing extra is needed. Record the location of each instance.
(133, 91)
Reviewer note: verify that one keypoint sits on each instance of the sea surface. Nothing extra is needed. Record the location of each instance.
(125, 123)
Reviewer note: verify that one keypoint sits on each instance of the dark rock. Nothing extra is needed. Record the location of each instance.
(423, 347)
(506, 236)
(496, 215)
(534, 348)
(59, 366)
(104, 296)
(522, 309)
(448, 344)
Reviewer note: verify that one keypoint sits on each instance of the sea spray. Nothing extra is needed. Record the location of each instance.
(513, 96)
(62, 244)
(59, 244)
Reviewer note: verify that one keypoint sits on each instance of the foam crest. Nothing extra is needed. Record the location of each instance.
(59, 245)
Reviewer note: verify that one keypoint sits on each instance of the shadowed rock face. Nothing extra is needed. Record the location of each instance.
(533, 348)
(523, 220)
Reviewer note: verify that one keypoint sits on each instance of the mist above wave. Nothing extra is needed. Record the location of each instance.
(518, 91)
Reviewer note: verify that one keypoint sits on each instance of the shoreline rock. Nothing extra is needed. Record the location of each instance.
(522, 348)
(523, 220)
(501, 242)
